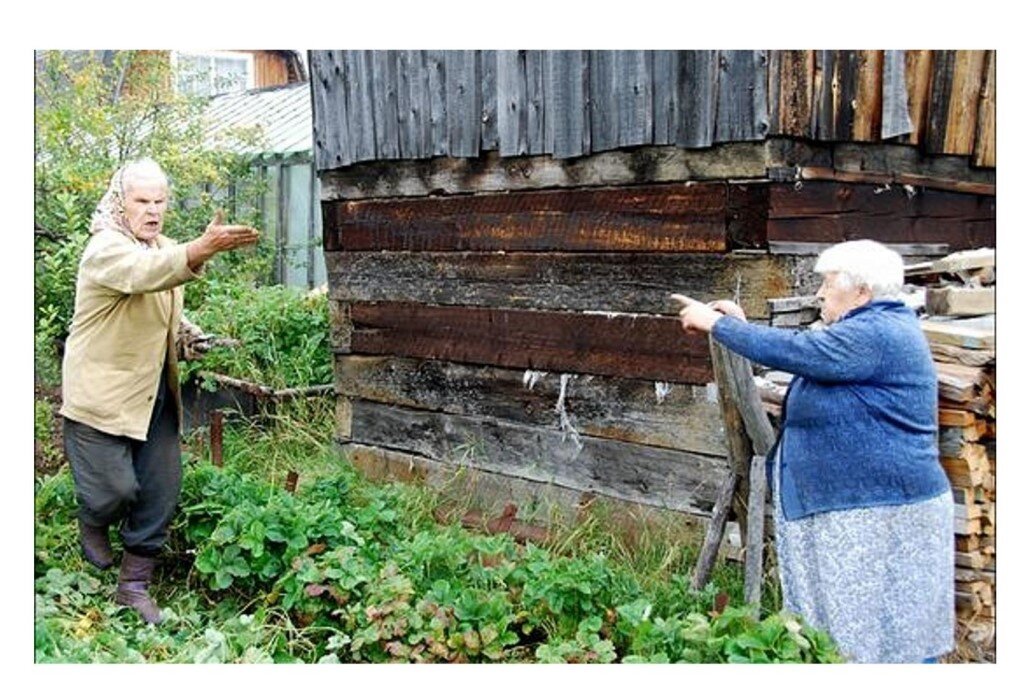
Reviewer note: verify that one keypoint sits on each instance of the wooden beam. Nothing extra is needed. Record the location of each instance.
(651, 218)
(633, 282)
(824, 211)
(676, 480)
(666, 415)
(638, 346)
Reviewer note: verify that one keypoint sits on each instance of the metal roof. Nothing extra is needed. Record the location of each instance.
(282, 114)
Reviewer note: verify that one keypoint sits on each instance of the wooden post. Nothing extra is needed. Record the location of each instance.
(292, 482)
(755, 533)
(716, 527)
(217, 438)
(739, 448)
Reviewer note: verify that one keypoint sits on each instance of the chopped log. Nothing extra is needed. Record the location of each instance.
(968, 333)
(960, 301)
(947, 353)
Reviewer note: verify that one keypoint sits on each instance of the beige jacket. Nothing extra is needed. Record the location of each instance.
(128, 303)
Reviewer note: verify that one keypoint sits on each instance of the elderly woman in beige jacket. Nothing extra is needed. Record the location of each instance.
(121, 403)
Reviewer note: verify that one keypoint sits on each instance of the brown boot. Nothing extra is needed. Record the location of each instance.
(133, 584)
(95, 545)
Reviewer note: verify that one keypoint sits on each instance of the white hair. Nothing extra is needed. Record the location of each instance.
(141, 168)
(864, 262)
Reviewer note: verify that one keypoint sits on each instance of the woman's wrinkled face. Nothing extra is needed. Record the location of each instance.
(836, 300)
(145, 203)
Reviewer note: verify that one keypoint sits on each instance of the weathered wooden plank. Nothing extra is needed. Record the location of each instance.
(752, 575)
(845, 93)
(653, 218)
(968, 333)
(698, 98)
(621, 345)
(833, 212)
(330, 109)
(895, 101)
(742, 96)
(536, 140)
(916, 249)
(791, 92)
(676, 480)
(665, 78)
(538, 502)
(565, 97)
(826, 94)
(887, 179)
(867, 103)
(985, 139)
(634, 96)
(715, 530)
(940, 93)
(463, 101)
(489, 139)
(413, 105)
(636, 282)
(604, 89)
(677, 416)
(359, 93)
(440, 176)
(919, 79)
(385, 103)
(962, 121)
(437, 99)
(512, 110)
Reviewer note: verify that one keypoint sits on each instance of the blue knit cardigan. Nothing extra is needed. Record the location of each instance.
(861, 415)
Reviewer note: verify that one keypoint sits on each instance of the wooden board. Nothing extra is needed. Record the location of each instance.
(867, 105)
(642, 474)
(462, 88)
(621, 345)
(985, 140)
(698, 97)
(329, 110)
(895, 102)
(960, 301)
(790, 92)
(962, 121)
(637, 282)
(968, 333)
(742, 112)
(666, 415)
(919, 76)
(566, 75)
(834, 212)
(652, 218)
(537, 502)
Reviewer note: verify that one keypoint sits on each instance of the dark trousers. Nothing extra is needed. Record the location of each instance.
(122, 480)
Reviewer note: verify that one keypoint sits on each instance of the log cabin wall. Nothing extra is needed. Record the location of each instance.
(502, 228)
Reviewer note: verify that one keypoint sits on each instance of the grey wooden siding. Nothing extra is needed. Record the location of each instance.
(416, 104)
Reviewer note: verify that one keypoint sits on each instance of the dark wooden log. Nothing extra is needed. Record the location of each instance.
(715, 530)
(622, 345)
(833, 212)
(675, 480)
(666, 415)
(652, 218)
(943, 66)
(631, 282)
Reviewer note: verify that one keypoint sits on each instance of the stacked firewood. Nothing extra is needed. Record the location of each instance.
(959, 322)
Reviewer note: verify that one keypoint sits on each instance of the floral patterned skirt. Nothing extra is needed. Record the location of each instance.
(879, 580)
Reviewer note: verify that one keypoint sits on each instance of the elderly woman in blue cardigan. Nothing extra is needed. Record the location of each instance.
(863, 510)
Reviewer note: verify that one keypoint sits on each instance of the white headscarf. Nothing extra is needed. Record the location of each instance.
(110, 213)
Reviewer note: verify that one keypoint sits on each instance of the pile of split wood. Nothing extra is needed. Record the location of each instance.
(959, 321)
